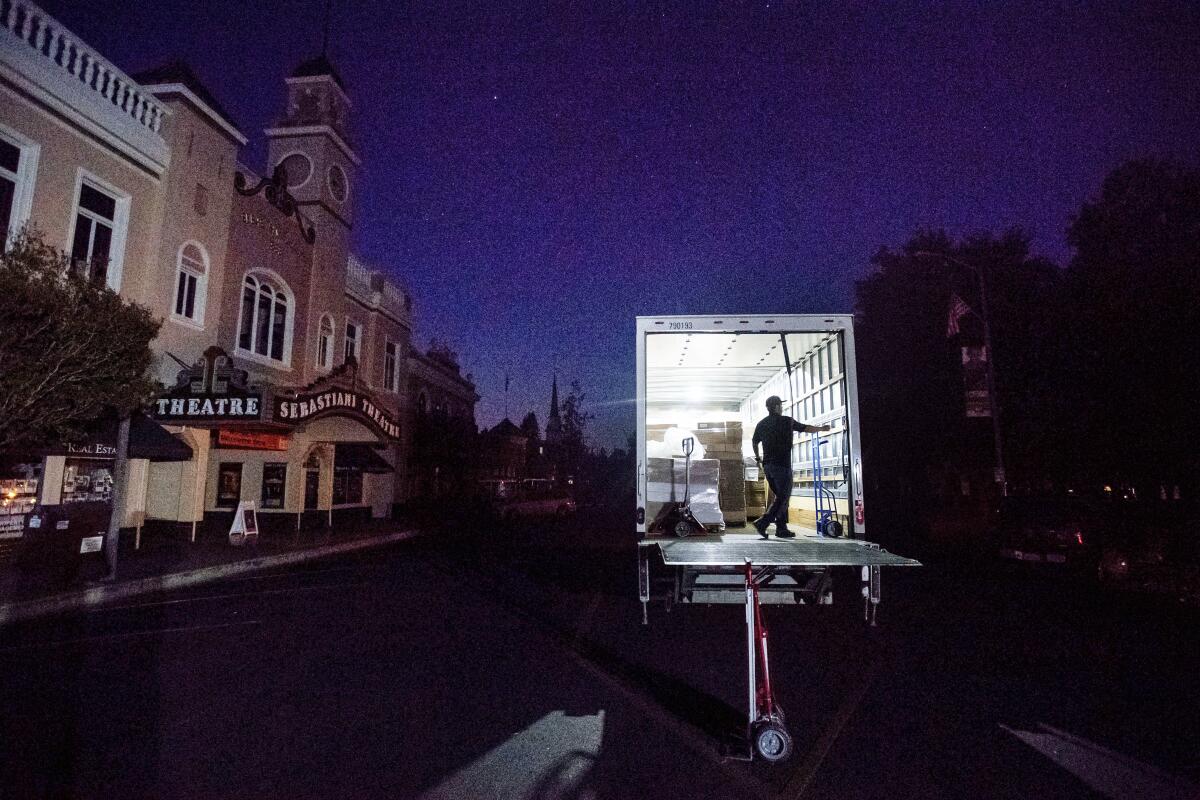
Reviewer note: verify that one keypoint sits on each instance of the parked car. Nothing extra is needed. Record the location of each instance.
(538, 502)
(1059, 531)
(1154, 549)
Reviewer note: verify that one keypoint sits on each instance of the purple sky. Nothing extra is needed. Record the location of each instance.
(540, 180)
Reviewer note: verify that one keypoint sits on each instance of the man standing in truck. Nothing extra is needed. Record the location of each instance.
(774, 433)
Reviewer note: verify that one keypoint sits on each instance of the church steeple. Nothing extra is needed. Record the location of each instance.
(554, 423)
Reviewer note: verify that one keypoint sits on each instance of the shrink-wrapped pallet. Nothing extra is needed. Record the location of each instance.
(665, 480)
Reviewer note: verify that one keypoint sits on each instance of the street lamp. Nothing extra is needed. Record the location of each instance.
(993, 401)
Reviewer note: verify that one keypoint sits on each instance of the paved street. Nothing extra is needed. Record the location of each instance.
(512, 663)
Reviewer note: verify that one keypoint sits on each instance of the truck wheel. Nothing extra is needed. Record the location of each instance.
(772, 741)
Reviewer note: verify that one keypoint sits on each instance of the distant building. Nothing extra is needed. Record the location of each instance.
(503, 452)
(442, 449)
(289, 360)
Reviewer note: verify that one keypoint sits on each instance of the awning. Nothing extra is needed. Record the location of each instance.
(147, 439)
(361, 456)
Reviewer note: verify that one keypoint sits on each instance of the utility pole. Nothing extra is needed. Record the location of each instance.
(998, 474)
(119, 494)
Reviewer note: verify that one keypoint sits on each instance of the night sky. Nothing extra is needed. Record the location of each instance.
(539, 178)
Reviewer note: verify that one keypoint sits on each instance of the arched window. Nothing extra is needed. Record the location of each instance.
(265, 326)
(191, 282)
(325, 343)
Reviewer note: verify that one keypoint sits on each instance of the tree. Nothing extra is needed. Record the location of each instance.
(1135, 282)
(574, 426)
(529, 427)
(918, 440)
(71, 350)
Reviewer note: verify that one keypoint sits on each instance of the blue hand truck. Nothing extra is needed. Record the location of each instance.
(824, 499)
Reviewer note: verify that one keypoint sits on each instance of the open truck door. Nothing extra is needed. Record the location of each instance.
(705, 380)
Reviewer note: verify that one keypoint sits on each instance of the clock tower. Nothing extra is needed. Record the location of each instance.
(312, 141)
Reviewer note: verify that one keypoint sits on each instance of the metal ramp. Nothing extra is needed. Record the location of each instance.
(803, 551)
(706, 570)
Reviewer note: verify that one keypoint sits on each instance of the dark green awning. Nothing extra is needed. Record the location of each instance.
(360, 456)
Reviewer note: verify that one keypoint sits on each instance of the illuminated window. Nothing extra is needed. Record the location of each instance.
(95, 240)
(191, 282)
(352, 341)
(390, 373)
(325, 343)
(265, 326)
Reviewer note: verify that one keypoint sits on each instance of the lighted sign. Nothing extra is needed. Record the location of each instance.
(207, 407)
(210, 390)
(341, 402)
(243, 440)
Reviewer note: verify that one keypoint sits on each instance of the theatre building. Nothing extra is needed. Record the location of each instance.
(285, 358)
(295, 404)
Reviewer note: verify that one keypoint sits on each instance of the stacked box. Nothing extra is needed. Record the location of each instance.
(733, 492)
(721, 440)
(665, 481)
(756, 496)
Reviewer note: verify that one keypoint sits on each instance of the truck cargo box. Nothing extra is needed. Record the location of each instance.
(708, 378)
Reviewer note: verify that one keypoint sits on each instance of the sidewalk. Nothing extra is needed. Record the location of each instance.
(164, 564)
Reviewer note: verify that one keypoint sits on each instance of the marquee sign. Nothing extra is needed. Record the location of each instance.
(210, 390)
(341, 402)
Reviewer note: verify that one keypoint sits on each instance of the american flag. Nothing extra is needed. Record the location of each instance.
(958, 310)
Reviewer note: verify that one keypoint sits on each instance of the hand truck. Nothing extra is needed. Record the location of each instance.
(765, 728)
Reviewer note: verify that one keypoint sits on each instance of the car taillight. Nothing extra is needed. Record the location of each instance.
(1078, 537)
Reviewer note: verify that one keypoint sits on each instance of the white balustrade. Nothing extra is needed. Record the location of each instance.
(44, 35)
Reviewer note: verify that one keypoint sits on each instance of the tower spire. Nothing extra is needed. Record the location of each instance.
(554, 423)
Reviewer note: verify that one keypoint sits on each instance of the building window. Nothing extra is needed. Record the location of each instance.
(191, 282)
(265, 327)
(390, 373)
(10, 166)
(274, 480)
(18, 164)
(352, 334)
(92, 247)
(325, 343)
(347, 486)
(229, 485)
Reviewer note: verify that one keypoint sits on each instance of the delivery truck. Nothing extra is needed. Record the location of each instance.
(702, 386)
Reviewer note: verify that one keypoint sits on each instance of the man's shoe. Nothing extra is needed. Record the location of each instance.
(785, 533)
(760, 525)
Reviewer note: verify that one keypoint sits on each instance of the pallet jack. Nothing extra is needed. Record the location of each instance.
(677, 518)
(765, 729)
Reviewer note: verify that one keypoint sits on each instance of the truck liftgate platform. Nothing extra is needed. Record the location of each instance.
(709, 569)
(741, 568)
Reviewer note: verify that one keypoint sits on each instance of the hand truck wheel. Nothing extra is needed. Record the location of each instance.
(834, 529)
(772, 741)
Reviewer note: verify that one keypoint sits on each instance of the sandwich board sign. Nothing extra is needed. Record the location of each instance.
(245, 524)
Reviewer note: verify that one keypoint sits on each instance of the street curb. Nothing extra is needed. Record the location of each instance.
(99, 595)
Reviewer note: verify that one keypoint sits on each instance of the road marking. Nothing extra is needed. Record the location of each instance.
(202, 598)
(798, 784)
(1107, 772)
(128, 635)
